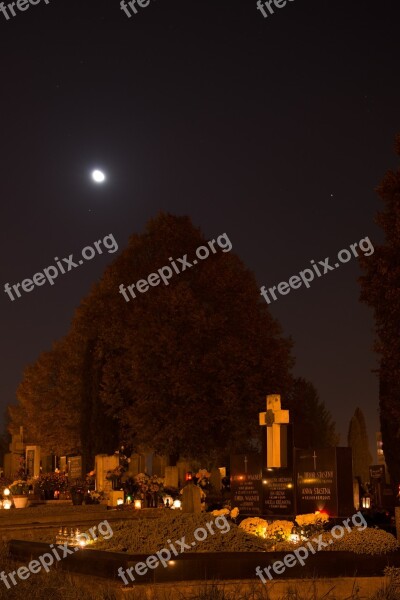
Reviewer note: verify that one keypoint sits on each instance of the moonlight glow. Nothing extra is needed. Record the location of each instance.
(98, 176)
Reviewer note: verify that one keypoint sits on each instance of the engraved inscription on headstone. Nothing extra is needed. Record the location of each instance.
(246, 490)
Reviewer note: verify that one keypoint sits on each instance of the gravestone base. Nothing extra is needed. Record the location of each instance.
(114, 496)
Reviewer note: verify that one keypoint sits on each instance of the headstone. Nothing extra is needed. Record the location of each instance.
(278, 492)
(382, 492)
(215, 480)
(388, 498)
(32, 461)
(356, 494)
(103, 464)
(12, 458)
(159, 464)
(149, 463)
(324, 481)
(75, 467)
(171, 477)
(246, 483)
(277, 481)
(183, 467)
(275, 419)
(137, 464)
(63, 464)
(47, 463)
(191, 498)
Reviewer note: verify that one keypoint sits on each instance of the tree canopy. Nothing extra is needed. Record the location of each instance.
(313, 423)
(182, 369)
(381, 290)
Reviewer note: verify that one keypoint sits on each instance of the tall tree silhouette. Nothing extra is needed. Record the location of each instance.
(357, 440)
(381, 290)
(313, 423)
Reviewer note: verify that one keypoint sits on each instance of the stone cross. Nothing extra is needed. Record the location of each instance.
(274, 418)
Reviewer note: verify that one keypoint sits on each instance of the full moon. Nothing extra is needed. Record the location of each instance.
(98, 176)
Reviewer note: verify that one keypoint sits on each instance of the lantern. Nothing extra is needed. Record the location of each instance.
(366, 501)
(138, 504)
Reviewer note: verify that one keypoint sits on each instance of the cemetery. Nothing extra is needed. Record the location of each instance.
(234, 522)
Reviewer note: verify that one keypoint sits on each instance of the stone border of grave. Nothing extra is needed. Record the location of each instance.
(203, 566)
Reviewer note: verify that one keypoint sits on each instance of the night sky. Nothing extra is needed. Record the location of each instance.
(274, 130)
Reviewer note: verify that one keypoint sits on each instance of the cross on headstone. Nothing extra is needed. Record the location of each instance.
(315, 460)
(274, 418)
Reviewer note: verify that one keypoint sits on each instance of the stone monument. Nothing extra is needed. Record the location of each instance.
(191, 498)
(276, 420)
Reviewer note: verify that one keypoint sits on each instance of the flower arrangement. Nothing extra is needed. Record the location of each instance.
(96, 496)
(49, 482)
(232, 514)
(19, 487)
(255, 526)
(317, 518)
(115, 473)
(221, 513)
(21, 472)
(279, 531)
(149, 483)
(310, 524)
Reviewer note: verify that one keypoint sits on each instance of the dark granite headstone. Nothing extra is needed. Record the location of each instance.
(279, 483)
(382, 492)
(47, 463)
(278, 492)
(30, 461)
(246, 486)
(324, 481)
(75, 467)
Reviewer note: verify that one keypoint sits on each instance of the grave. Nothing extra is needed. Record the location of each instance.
(63, 464)
(324, 481)
(103, 464)
(32, 461)
(285, 481)
(382, 492)
(74, 467)
(171, 479)
(278, 480)
(246, 484)
(17, 451)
